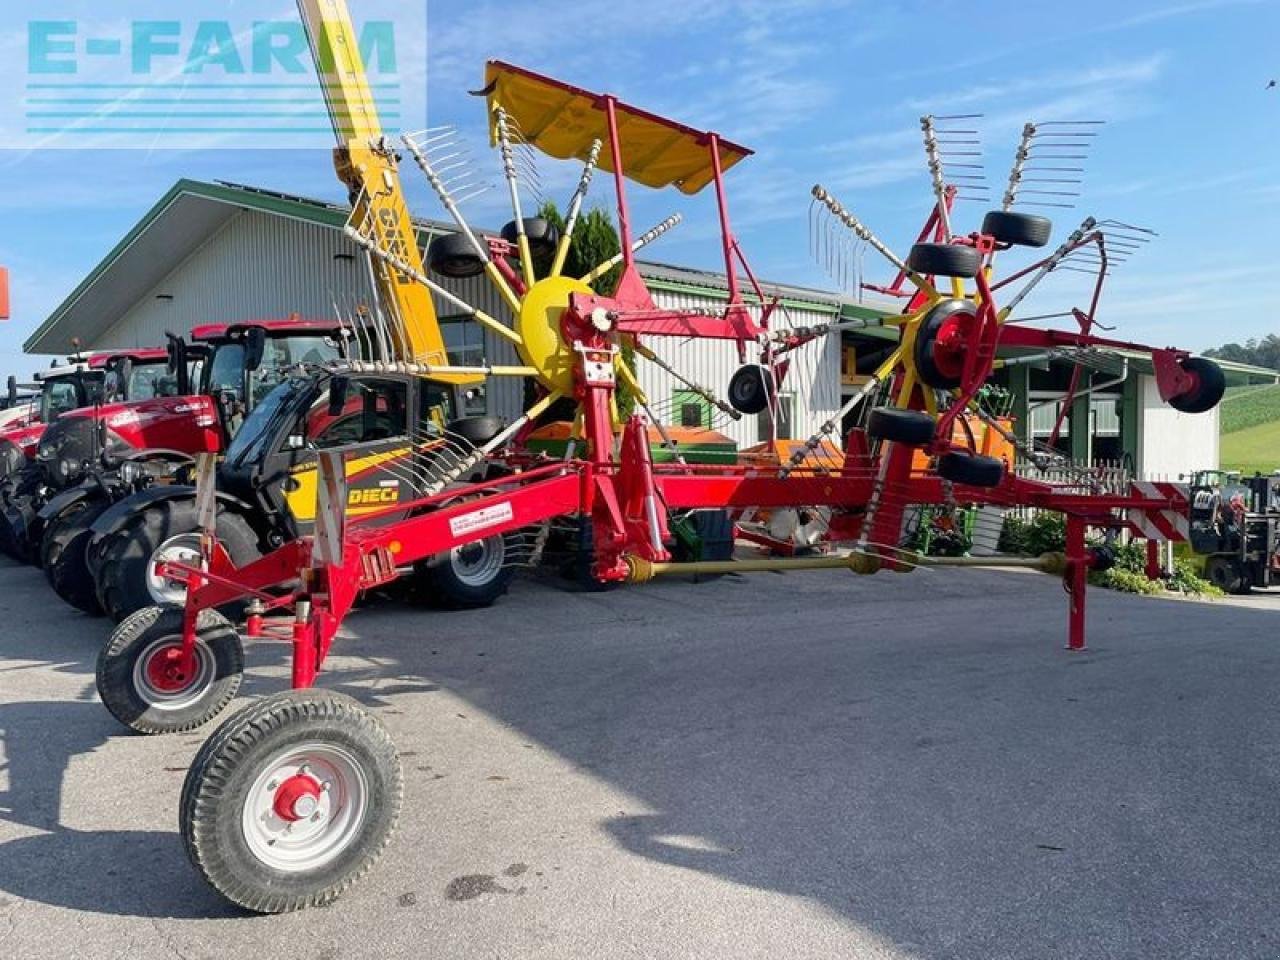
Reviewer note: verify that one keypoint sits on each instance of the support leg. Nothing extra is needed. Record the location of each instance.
(1077, 581)
(1155, 570)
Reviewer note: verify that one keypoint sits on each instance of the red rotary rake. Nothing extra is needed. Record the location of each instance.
(294, 798)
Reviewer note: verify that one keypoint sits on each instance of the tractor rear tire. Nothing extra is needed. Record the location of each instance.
(142, 688)
(1227, 574)
(945, 260)
(1206, 393)
(1017, 229)
(66, 539)
(750, 388)
(453, 256)
(912, 427)
(125, 581)
(315, 757)
(469, 577)
(971, 469)
(19, 513)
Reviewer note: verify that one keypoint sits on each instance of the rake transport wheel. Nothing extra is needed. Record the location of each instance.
(468, 577)
(66, 540)
(1018, 229)
(453, 256)
(912, 427)
(141, 679)
(1206, 392)
(541, 234)
(127, 579)
(751, 388)
(291, 801)
(971, 469)
(945, 260)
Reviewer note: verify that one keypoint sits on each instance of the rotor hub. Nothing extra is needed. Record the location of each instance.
(543, 345)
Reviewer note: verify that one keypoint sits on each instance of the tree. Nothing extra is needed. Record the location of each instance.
(1260, 353)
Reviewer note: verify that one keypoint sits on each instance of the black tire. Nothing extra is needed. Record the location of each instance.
(924, 352)
(453, 256)
(912, 427)
(971, 469)
(542, 234)
(126, 559)
(944, 260)
(66, 566)
(750, 388)
(1227, 574)
(19, 520)
(137, 690)
(468, 577)
(1018, 229)
(12, 459)
(1206, 393)
(247, 761)
(477, 431)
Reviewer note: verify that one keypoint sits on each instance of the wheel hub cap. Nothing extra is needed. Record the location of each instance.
(297, 798)
(166, 670)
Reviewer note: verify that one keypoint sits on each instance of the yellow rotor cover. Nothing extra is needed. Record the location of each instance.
(542, 345)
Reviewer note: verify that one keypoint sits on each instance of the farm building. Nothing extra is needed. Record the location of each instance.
(213, 251)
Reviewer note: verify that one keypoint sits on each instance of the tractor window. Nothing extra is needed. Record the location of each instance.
(57, 398)
(150, 380)
(283, 354)
(375, 410)
(226, 371)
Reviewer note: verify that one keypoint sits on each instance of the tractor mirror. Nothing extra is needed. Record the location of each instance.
(338, 389)
(13, 390)
(255, 347)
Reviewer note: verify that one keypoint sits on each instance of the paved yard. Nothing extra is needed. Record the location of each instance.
(805, 766)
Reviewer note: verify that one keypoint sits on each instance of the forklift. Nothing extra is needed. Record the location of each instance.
(1235, 524)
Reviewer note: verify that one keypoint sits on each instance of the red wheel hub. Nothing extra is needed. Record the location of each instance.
(950, 343)
(166, 670)
(297, 798)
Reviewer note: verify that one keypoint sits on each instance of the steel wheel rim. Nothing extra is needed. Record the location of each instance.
(183, 548)
(157, 697)
(316, 839)
(476, 564)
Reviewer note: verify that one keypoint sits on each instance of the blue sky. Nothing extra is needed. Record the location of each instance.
(824, 91)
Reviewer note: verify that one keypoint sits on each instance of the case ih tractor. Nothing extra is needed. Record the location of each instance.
(97, 456)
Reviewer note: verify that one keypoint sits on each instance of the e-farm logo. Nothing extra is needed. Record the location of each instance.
(225, 74)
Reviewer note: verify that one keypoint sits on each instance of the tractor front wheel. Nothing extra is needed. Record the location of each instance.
(1227, 574)
(145, 684)
(291, 801)
(468, 577)
(63, 549)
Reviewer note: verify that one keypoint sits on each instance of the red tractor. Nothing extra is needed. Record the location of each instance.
(99, 456)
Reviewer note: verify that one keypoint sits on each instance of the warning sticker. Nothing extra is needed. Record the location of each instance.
(467, 523)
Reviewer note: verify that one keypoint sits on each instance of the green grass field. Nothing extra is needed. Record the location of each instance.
(1245, 407)
(1250, 422)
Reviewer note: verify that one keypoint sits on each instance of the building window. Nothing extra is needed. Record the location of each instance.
(690, 410)
(786, 420)
(464, 339)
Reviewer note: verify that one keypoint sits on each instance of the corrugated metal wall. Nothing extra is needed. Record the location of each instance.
(262, 266)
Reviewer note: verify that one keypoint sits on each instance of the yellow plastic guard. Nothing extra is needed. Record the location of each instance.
(563, 120)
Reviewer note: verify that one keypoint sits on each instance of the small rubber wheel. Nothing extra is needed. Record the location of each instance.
(453, 256)
(141, 679)
(477, 431)
(291, 801)
(942, 340)
(1018, 229)
(1206, 392)
(971, 469)
(541, 233)
(913, 427)
(66, 566)
(1227, 575)
(750, 388)
(468, 577)
(944, 260)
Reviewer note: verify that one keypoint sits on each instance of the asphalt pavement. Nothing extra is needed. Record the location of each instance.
(808, 765)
